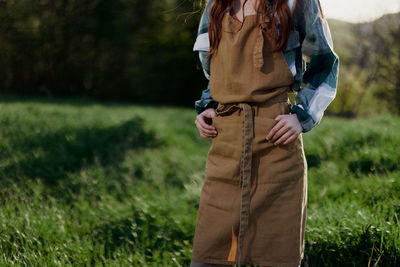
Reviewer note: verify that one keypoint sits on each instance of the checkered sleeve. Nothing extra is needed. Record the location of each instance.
(202, 45)
(321, 73)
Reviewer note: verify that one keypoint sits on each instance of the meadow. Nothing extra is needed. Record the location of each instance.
(88, 183)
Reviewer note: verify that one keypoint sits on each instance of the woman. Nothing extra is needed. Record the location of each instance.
(253, 202)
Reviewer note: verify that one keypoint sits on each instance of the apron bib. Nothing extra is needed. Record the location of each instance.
(253, 201)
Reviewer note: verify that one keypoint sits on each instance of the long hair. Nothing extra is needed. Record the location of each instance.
(279, 7)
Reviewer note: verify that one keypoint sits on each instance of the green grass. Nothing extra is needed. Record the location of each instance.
(86, 183)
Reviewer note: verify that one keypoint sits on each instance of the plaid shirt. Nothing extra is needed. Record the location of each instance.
(319, 76)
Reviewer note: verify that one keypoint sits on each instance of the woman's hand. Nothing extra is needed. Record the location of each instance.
(203, 122)
(286, 130)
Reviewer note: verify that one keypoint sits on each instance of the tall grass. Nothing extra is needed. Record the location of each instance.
(86, 183)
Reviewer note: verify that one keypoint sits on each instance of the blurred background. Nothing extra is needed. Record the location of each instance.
(122, 50)
(141, 52)
(100, 159)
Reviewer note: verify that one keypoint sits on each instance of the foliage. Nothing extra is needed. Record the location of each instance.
(121, 49)
(86, 183)
(370, 62)
(141, 51)
(388, 64)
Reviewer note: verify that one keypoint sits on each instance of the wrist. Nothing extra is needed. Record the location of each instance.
(304, 118)
(212, 104)
(294, 115)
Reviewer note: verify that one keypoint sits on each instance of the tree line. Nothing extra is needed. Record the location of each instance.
(122, 49)
(141, 51)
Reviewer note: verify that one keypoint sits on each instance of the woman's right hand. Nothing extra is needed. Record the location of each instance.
(204, 123)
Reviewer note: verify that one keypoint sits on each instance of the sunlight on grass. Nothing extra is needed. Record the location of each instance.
(113, 184)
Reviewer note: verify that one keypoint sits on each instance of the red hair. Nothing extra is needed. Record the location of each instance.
(279, 7)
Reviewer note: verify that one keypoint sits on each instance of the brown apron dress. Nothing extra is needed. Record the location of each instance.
(253, 201)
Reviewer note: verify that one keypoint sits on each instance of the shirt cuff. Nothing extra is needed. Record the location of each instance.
(304, 118)
(201, 105)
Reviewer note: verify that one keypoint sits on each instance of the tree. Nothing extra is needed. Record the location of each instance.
(388, 62)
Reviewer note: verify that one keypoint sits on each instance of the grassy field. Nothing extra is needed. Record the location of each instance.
(85, 183)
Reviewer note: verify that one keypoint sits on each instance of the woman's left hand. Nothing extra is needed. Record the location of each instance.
(286, 130)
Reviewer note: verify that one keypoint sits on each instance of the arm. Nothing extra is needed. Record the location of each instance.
(205, 101)
(321, 74)
(202, 45)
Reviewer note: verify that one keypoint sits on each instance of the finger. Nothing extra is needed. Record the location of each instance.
(274, 129)
(204, 125)
(207, 135)
(212, 113)
(197, 124)
(203, 135)
(201, 130)
(202, 119)
(290, 139)
(283, 138)
(201, 127)
(280, 132)
(205, 132)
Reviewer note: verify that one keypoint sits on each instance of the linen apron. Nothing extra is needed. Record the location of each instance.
(253, 201)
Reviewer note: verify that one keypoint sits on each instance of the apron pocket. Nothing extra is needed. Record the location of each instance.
(223, 162)
(275, 164)
(262, 126)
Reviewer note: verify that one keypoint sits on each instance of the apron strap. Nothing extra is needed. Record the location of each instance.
(245, 172)
(258, 57)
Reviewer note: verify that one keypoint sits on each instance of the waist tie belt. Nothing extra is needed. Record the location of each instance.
(246, 156)
(245, 166)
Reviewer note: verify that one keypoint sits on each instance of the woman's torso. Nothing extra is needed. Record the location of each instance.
(244, 67)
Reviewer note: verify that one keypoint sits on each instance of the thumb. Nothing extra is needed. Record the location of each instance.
(211, 113)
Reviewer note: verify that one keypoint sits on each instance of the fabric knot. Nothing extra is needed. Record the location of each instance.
(265, 24)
